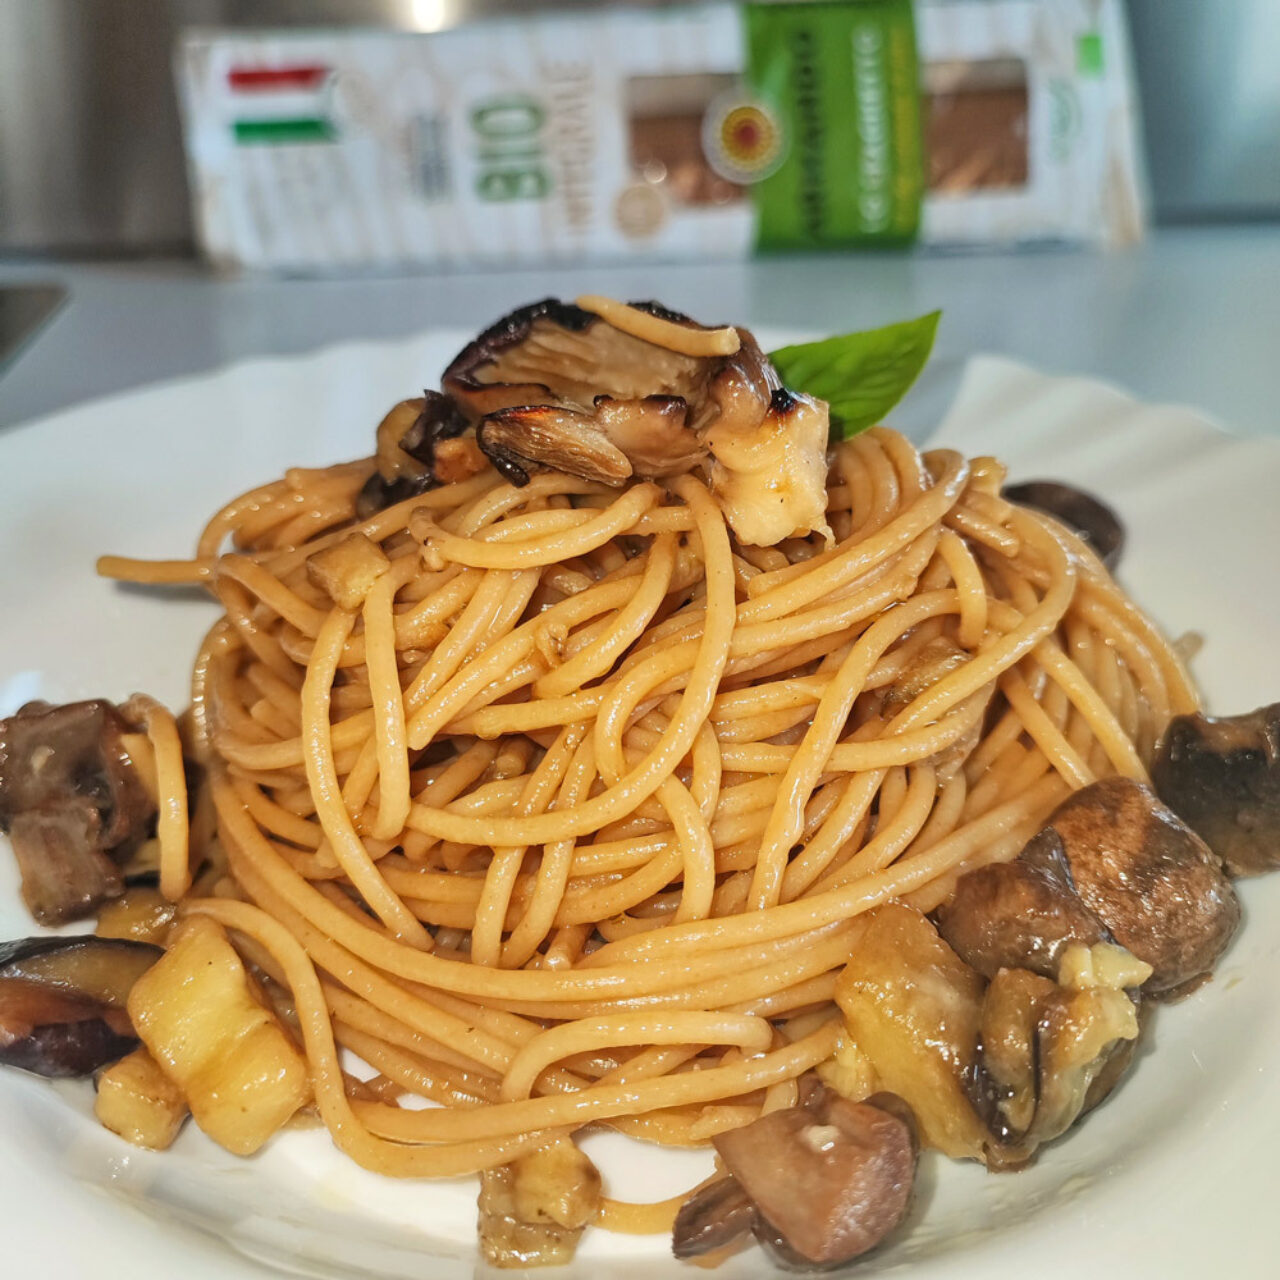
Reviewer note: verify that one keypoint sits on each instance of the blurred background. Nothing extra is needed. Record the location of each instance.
(1091, 185)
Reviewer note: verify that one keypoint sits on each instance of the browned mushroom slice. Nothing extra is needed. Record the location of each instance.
(1081, 512)
(416, 451)
(829, 1181)
(625, 405)
(1158, 888)
(1019, 915)
(62, 1002)
(1221, 776)
(552, 352)
(712, 1218)
(606, 397)
(72, 804)
(566, 440)
(651, 433)
(1051, 1051)
(1007, 1059)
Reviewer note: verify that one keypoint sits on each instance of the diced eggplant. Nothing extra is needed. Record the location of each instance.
(346, 571)
(557, 1183)
(1221, 776)
(143, 914)
(196, 1012)
(533, 1210)
(51, 1034)
(72, 804)
(914, 1008)
(100, 969)
(139, 1102)
(63, 1002)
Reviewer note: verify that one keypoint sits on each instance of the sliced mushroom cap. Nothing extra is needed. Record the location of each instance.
(637, 390)
(72, 804)
(1048, 1053)
(1019, 915)
(1081, 512)
(1158, 888)
(1007, 1057)
(614, 441)
(1221, 776)
(712, 1218)
(553, 436)
(830, 1181)
(62, 1002)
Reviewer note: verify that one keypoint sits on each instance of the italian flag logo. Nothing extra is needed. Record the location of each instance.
(284, 104)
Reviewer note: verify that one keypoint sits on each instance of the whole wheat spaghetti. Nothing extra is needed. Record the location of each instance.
(556, 804)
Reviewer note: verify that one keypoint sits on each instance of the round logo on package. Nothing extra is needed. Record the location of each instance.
(742, 138)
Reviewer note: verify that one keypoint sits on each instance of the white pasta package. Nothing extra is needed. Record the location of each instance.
(674, 134)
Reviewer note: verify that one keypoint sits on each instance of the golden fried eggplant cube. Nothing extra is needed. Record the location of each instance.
(242, 1075)
(914, 1008)
(139, 1102)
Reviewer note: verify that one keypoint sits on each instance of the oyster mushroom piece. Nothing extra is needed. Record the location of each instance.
(1019, 915)
(1157, 887)
(642, 391)
(417, 449)
(1221, 776)
(62, 1002)
(819, 1184)
(771, 478)
(618, 439)
(72, 804)
(1088, 517)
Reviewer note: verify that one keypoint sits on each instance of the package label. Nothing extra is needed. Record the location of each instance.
(842, 82)
(667, 134)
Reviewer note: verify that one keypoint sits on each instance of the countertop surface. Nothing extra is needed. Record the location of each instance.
(1191, 316)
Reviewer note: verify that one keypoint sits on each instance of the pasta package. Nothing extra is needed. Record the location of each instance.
(715, 130)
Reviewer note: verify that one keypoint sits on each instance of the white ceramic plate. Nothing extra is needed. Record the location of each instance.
(1173, 1177)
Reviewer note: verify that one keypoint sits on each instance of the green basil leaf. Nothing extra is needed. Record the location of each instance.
(860, 375)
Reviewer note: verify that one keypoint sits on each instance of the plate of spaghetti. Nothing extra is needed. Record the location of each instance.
(643, 812)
